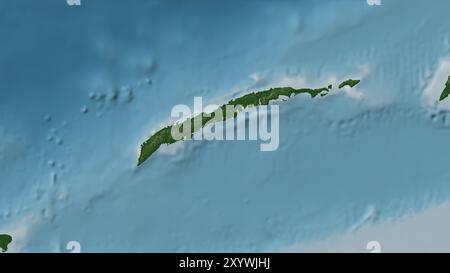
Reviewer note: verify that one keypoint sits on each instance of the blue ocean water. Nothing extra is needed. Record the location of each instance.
(82, 86)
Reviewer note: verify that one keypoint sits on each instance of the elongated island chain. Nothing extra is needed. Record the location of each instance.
(164, 136)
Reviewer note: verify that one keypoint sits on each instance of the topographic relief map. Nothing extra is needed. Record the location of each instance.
(224, 126)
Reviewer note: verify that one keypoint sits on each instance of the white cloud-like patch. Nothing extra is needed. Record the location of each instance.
(423, 232)
(301, 81)
(356, 92)
(437, 84)
(173, 149)
(20, 232)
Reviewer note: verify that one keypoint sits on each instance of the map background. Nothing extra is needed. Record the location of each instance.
(356, 158)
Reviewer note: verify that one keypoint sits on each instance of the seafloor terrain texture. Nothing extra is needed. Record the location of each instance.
(82, 86)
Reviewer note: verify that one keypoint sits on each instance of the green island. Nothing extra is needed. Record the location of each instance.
(446, 91)
(350, 82)
(5, 240)
(164, 136)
